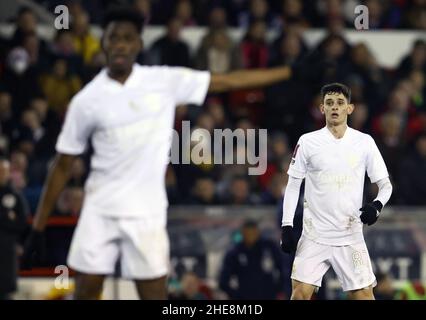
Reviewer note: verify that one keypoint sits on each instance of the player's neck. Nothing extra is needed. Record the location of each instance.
(119, 76)
(338, 131)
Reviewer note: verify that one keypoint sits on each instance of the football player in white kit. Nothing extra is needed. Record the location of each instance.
(333, 161)
(127, 112)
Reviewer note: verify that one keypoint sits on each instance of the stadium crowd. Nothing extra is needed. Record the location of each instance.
(38, 78)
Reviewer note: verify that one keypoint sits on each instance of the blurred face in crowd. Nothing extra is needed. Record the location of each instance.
(217, 18)
(259, 8)
(335, 48)
(205, 189)
(336, 108)
(184, 10)
(40, 106)
(291, 46)
(258, 31)
(206, 121)
(5, 105)
(30, 119)
(292, 8)
(250, 235)
(359, 116)
(174, 28)
(80, 24)
(122, 44)
(144, 7)
(4, 172)
(419, 56)
(391, 126)
(27, 22)
(190, 284)
(60, 68)
(217, 113)
(18, 161)
(240, 190)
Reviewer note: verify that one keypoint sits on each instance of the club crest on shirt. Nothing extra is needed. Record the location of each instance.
(8, 201)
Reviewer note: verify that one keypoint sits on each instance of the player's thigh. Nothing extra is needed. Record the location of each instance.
(95, 245)
(311, 262)
(152, 289)
(88, 286)
(352, 266)
(144, 250)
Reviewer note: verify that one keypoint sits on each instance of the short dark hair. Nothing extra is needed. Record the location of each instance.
(127, 14)
(336, 88)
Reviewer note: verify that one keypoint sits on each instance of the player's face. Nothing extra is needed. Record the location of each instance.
(336, 109)
(122, 44)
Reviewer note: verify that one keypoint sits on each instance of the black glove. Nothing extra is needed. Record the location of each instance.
(370, 212)
(34, 250)
(288, 243)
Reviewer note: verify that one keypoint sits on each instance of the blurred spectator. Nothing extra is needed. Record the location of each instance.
(258, 10)
(217, 53)
(26, 23)
(20, 79)
(254, 49)
(415, 60)
(144, 7)
(13, 215)
(63, 46)
(359, 117)
(184, 12)
(7, 123)
(411, 290)
(203, 192)
(192, 288)
(239, 192)
(390, 142)
(252, 269)
(170, 50)
(18, 170)
(415, 16)
(384, 289)
(275, 189)
(412, 174)
(60, 85)
(86, 44)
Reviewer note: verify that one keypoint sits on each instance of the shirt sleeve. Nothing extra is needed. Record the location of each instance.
(297, 167)
(376, 167)
(190, 86)
(77, 128)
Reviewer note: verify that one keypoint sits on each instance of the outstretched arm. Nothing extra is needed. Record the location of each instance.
(57, 178)
(246, 79)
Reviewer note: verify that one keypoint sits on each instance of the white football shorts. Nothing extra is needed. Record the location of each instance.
(99, 241)
(351, 263)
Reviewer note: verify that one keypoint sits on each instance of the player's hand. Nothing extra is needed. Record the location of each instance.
(288, 243)
(34, 250)
(370, 212)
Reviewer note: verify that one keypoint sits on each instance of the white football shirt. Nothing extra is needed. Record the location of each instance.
(130, 127)
(334, 171)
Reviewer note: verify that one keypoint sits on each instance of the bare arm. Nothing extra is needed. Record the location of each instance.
(246, 79)
(56, 179)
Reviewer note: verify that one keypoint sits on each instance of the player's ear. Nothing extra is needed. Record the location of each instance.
(321, 107)
(351, 108)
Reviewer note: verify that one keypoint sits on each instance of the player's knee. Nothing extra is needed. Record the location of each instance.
(300, 294)
(362, 294)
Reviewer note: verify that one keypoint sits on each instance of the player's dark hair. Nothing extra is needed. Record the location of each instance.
(336, 88)
(124, 14)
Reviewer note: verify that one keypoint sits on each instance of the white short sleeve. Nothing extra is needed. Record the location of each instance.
(76, 130)
(190, 86)
(298, 166)
(376, 167)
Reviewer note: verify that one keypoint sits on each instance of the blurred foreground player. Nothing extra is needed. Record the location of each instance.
(127, 112)
(333, 160)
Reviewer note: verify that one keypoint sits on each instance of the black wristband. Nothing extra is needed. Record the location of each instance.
(378, 205)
